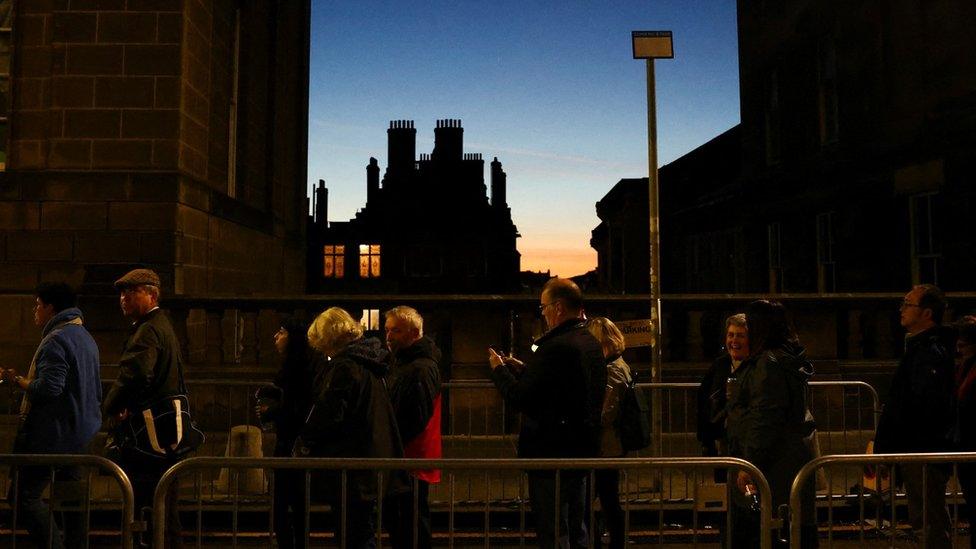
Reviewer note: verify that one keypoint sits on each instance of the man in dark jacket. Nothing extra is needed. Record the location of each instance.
(415, 386)
(60, 411)
(559, 391)
(917, 416)
(149, 371)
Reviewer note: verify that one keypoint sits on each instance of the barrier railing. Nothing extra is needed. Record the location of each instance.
(487, 468)
(882, 463)
(81, 494)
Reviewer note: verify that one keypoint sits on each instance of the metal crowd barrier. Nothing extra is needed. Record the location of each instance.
(456, 529)
(82, 491)
(879, 498)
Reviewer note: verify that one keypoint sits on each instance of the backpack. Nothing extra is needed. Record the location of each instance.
(634, 418)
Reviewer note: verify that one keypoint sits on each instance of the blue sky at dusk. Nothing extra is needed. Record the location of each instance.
(550, 88)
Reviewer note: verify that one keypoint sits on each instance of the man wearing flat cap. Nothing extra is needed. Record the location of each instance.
(148, 372)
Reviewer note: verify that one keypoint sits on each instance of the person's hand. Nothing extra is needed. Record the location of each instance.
(743, 481)
(494, 359)
(261, 409)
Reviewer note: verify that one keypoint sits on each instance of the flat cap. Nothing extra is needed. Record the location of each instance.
(138, 277)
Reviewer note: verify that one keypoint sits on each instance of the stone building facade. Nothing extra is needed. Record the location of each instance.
(164, 133)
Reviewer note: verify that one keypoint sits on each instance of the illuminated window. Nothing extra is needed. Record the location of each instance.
(369, 261)
(370, 319)
(334, 261)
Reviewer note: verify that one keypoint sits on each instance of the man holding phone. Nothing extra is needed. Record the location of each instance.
(559, 391)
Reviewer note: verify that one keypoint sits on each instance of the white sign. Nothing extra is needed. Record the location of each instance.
(637, 333)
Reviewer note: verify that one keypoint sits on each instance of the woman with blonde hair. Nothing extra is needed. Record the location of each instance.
(618, 376)
(352, 417)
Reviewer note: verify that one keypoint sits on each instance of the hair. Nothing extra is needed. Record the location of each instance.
(607, 333)
(933, 299)
(332, 330)
(565, 290)
(735, 320)
(966, 329)
(56, 294)
(297, 330)
(153, 291)
(769, 326)
(408, 315)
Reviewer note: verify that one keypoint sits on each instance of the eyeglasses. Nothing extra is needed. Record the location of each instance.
(542, 307)
(905, 305)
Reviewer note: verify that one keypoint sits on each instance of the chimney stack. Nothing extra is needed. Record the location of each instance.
(322, 204)
(372, 180)
(401, 151)
(448, 141)
(498, 176)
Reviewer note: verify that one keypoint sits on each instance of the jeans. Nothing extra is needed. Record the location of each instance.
(608, 490)
(934, 517)
(37, 516)
(289, 509)
(571, 508)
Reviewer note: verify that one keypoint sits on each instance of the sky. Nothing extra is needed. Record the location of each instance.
(549, 87)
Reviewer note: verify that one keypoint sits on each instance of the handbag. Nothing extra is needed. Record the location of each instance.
(163, 430)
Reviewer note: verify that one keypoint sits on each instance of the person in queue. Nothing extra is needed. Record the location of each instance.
(286, 404)
(351, 417)
(964, 432)
(60, 412)
(917, 415)
(769, 422)
(713, 391)
(415, 391)
(618, 377)
(559, 390)
(149, 371)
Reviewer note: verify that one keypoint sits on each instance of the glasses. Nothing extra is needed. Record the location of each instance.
(542, 308)
(906, 305)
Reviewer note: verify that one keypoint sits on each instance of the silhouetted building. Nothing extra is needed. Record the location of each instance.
(428, 228)
(854, 167)
(621, 239)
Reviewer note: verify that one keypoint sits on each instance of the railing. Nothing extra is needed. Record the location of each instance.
(875, 498)
(80, 492)
(486, 468)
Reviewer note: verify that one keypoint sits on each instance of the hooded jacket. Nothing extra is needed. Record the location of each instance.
(352, 415)
(769, 423)
(917, 415)
(66, 391)
(415, 383)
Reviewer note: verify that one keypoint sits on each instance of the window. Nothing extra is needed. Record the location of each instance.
(926, 257)
(370, 319)
(826, 271)
(6, 43)
(369, 261)
(827, 91)
(333, 261)
(772, 120)
(775, 263)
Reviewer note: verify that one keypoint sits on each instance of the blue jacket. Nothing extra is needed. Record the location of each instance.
(66, 392)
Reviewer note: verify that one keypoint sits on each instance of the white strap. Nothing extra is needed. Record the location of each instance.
(147, 417)
(179, 422)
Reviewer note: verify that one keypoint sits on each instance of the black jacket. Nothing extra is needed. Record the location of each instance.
(560, 394)
(414, 382)
(352, 415)
(769, 422)
(295, 394)
(917, 415)
(712, 402)
(148, 367)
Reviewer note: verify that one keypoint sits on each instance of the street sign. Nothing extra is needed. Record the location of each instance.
(637, 333)
(652, 44)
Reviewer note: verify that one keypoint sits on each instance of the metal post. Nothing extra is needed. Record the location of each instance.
(655, 256)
